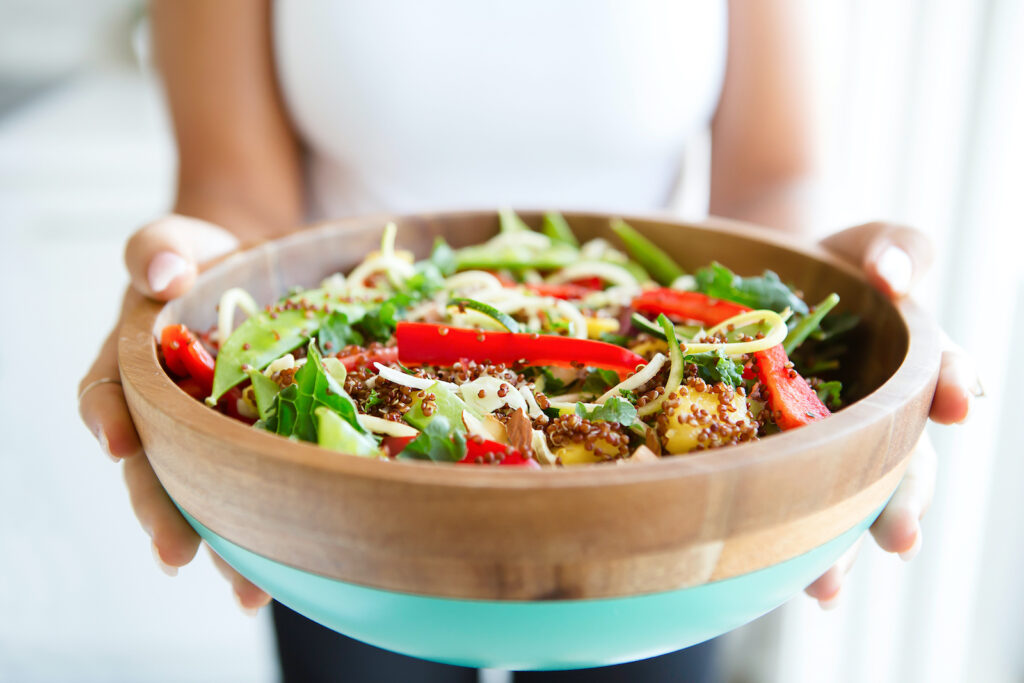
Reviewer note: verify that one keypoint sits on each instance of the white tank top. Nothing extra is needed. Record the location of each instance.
(416, 105)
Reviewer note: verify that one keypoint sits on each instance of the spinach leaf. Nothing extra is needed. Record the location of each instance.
(715, 366)
(437, 442)
(614, 409)
(766, 291)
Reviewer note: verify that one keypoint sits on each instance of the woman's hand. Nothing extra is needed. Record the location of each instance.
(163, 259)
(894, 258)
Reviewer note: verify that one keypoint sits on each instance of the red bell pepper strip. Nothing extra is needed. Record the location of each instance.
(426, 343)
(574, 289)
(511, 457)
(687, 305)
(388, 354)
(792, 401)
(506, 455)
(186, 356)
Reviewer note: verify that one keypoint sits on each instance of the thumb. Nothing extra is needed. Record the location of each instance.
(163, 258)
(893, 257)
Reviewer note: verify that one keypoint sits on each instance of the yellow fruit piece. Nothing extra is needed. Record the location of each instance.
(577, 454)
(682, 437)
(598, 326)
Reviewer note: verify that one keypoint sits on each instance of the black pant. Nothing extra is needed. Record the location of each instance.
(311, 653)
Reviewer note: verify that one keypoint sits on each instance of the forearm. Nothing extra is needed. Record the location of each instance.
(788, 203)
(239, 160)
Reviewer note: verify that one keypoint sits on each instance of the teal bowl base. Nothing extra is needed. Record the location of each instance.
(564, 634)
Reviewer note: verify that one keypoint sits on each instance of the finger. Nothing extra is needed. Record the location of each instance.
(893, 257)
(898, 528)
(103, 408)
(956, 388)
(827, 586)
(163, 258)
(249, 596)
(174, 541)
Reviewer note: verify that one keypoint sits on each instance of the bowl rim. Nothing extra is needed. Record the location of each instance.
(140, 366)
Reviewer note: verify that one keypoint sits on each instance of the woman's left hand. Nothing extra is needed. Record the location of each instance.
(894, 258)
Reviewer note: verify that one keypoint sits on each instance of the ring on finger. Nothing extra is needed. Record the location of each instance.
(95, 383)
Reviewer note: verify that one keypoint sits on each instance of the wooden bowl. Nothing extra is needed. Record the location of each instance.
(579, 540)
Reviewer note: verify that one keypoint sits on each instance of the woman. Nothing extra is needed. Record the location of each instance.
(307, 109)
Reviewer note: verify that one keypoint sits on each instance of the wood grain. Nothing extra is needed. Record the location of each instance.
(583, 532)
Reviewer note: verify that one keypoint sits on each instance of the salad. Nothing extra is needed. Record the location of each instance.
(528, 350)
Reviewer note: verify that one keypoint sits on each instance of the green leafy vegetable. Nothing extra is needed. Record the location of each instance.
(555, 226)
(600, 381)
(372, 401)
(437, 442)
(443, 256)
(766, 291)
(551, 384)
(715, 366)
(337, 332)
(617, 339)
(809, 323)
(615, 409)
(660, 265)
(293, 412)
(828, 393)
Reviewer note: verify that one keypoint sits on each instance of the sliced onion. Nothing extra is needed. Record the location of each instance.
(488, 428)
(490, 401)
(397, 270)
(472, 281)
(379, 425)
(229, 300)
(541, 451)
(411, 381)
(641, 378)
(531, 402)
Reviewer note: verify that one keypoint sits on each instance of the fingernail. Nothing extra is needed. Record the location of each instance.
(975, 388)
(164, 267)
(831, 603)
(101, 436)
(911, 552)
(247, 611)
(896, 268)
(164, 567)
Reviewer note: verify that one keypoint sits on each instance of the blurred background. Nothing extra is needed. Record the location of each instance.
(920, 104)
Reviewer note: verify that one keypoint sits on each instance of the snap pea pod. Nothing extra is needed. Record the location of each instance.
(655, 261)
(555, 226)
(802, 329)
(515, 258)
(508, 221)
(268, 335)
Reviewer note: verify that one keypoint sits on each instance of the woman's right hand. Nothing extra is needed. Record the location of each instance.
(163, 259)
